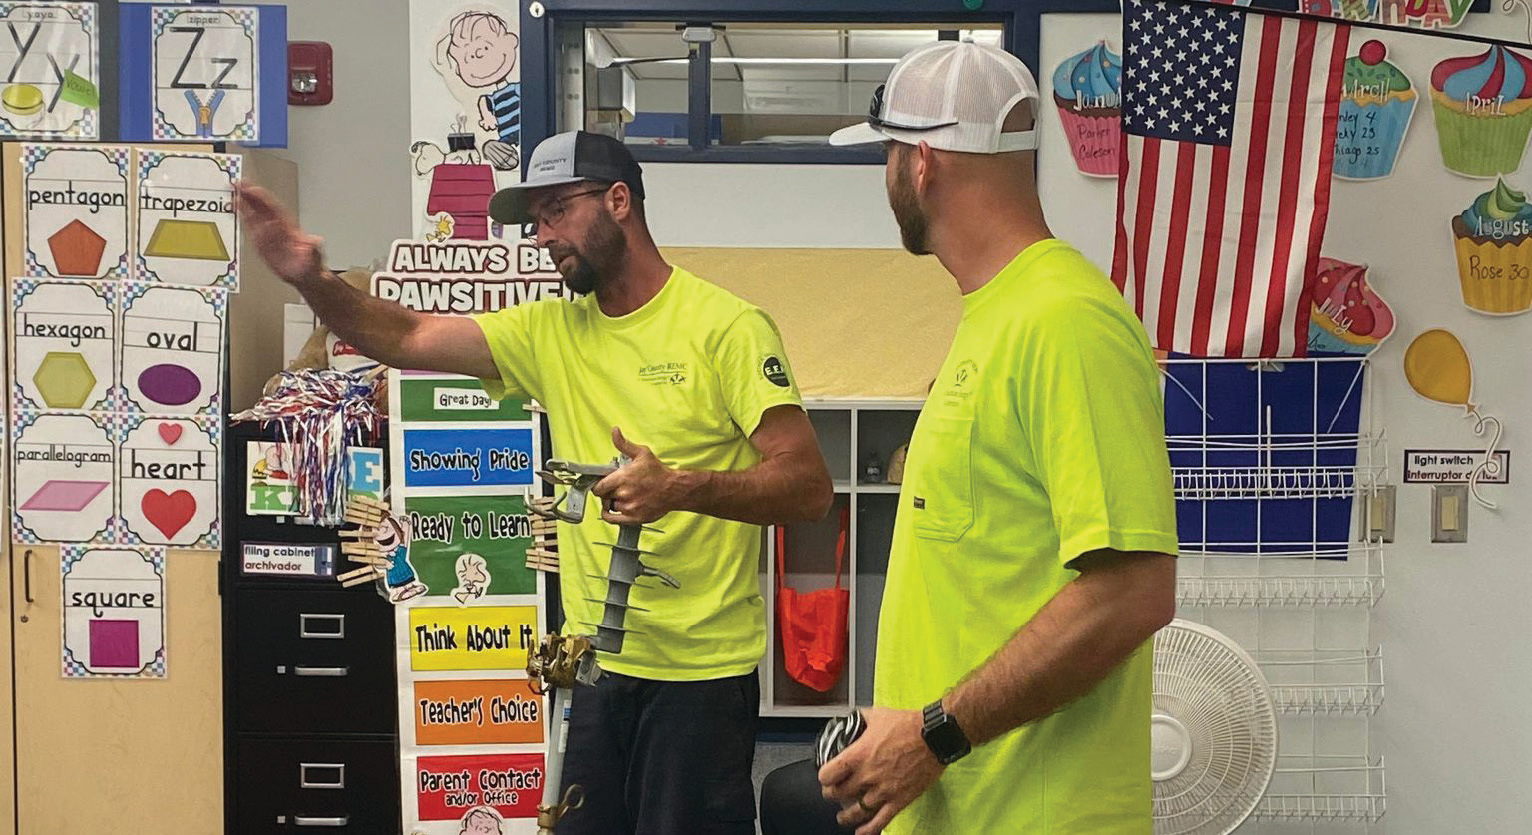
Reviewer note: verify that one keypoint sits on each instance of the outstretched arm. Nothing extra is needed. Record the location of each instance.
(381, 330)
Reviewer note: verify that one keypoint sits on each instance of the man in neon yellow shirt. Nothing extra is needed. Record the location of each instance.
(1033, 552)
(689, 382)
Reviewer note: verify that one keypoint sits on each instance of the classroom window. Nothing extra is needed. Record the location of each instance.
(761, 91)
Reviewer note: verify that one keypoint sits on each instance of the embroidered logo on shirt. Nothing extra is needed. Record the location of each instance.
(774, 371)
(963, 383)
(664, 373)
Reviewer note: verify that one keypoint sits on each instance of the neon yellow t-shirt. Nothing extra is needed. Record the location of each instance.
(1042, 439)
(688, 375)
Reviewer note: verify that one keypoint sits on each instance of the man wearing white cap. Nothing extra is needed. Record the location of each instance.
(1033, 552)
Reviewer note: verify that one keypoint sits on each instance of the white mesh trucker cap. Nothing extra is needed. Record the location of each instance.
(952, 95)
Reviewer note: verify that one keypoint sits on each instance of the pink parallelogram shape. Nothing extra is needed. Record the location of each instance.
(114, 643)
(57, 494)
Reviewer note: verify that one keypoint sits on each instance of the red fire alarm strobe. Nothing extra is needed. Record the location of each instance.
(310, 72)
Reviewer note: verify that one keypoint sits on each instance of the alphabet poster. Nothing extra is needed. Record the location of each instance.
(172, 349)
(187, 231)
(75, 211)
(113, 612)
(206, 72)
(50, 56)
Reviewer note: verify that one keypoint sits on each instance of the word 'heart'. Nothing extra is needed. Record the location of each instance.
(171, 432)
(169, 511)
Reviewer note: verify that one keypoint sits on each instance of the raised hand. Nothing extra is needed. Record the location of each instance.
(293, 254)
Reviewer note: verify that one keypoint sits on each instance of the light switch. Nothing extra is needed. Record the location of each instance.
(1380, 514)
(1449, 513)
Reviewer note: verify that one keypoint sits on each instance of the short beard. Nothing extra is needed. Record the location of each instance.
(602, 258)
(913, 223)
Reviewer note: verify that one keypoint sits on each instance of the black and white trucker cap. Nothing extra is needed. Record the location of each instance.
(573, 157)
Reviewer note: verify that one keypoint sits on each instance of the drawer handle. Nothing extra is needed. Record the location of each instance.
(332, 776)
(321, 625)
(300, 820)
(322, 672)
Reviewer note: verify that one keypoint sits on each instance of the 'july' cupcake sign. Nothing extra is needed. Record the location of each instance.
(1483, 106)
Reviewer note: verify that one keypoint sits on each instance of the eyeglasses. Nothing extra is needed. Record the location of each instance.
(875, 115)
(553, 213)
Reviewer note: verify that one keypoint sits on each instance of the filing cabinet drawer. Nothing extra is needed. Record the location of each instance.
(317, 786)
(314, 662)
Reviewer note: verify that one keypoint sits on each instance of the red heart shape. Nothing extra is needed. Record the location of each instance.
(171, 432)
(169, 511)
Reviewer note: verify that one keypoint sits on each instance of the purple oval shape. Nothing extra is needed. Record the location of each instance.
(169, 385)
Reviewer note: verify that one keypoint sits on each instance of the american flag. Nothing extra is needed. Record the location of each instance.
(1228, 125)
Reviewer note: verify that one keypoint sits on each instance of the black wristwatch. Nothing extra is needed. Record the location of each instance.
(942, 734)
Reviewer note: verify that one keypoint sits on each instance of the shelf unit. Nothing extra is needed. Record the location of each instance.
(1276, 466)
(850, 431)
(1331, 789)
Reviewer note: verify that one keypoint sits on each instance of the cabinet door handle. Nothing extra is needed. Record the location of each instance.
(26, 574)
(322, 672)
(300, 820)
(312, 625)
(321, 775)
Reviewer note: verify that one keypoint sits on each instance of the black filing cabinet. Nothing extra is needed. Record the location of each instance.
(310, 693)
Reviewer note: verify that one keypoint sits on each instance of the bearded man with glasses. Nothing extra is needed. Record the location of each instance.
(691, 384)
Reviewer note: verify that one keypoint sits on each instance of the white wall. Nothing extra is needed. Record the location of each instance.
(353, 153)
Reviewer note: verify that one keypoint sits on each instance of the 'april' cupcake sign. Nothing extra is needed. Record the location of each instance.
(1483, 106)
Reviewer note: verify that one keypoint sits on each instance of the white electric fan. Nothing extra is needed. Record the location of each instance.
(1214, 732)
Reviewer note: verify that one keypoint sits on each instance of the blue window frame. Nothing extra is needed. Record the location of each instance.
(1019, 19)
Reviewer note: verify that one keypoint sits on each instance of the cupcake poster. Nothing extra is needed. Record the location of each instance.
(1087, 88)
(1483, 106)
(1377, 102)
(1348, 317)
(1493, 242)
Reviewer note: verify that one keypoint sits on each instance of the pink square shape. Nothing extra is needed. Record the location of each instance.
(114, 643)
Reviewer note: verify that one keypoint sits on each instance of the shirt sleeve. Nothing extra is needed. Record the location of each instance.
(1091, 406)
(753, 369)
(509, 334)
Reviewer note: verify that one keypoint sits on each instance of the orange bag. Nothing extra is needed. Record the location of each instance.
(813, 625)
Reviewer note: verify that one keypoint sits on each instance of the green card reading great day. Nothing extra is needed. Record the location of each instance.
(457, 399)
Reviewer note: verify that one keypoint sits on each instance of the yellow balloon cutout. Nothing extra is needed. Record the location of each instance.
(1437, 368)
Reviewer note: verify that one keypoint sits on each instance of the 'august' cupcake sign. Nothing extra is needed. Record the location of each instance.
(1493, 240)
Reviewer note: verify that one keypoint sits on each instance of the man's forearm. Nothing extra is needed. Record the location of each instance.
(1090, 627)
(791, 487)
(374, 327)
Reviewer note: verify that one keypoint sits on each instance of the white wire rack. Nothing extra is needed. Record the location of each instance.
(1338, 789)
(1324, 682)
(1346, 576)
(1267, 458)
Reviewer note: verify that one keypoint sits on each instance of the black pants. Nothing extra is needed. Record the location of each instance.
(663, 757)
(791, 803)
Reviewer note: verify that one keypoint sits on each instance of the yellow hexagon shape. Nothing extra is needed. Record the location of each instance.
(64, 379)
